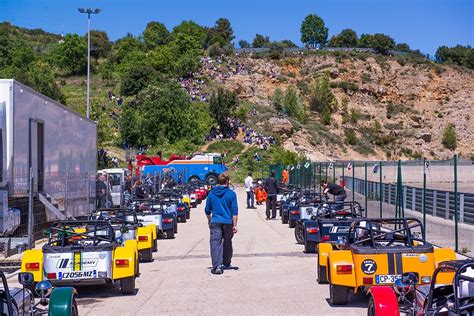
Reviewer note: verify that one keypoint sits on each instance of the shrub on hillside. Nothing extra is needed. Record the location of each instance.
(449, 137)
(350, 135)
(320, 94)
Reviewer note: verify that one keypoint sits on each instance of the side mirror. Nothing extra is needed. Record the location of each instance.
(44, 288)
(409, 278)
(26, 278)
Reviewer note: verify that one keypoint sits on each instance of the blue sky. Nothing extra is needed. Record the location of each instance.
(423, 24)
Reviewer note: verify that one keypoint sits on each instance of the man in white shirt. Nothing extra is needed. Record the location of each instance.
(249, 191)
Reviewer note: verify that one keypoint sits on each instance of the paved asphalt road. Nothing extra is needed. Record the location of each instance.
(275, 276)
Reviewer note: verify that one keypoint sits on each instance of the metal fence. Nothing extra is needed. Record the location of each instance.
(29, 204)
(440, 193)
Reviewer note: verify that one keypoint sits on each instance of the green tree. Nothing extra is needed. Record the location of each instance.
(261, 41)
(221, 105)
(292, 104)
(403, 47)
(125, 46)
(313, 31)
(287, 44)
(136, 78)
(244, 44)
(100, 44)
(41, 78)
(191, 29)
(459, 55)
(155, 34)
(350, 136)
(379, 42)
(450, 140)
(320, 94)
(347, 38)
(162, 59)
(277, 99)
(222, 33)
(71, 54)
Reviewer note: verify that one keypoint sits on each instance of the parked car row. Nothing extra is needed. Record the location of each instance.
(387, 258)
(110, 244)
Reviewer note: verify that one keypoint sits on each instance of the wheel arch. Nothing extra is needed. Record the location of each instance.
(385, 300)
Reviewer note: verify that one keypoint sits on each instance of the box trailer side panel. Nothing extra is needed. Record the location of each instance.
(58, 144)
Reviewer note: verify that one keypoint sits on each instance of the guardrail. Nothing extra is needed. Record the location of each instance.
(439, 203)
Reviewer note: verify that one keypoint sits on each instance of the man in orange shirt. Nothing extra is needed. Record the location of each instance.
(285, 175)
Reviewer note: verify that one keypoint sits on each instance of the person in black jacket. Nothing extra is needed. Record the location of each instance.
(271, 186)
(139, 190)
(339, 193)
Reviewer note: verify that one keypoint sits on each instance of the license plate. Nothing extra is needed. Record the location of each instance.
(387, 278)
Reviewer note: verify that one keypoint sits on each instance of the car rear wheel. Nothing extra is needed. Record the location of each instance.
(338, 294)
(310, 246)
(169, 233)
(299, 233)
(188, 215)
(371, 307)
(127, 285)
(292, 223)
(284, 219)
(176, 226)
(147, 255)
(193, 179)
(322, 276)
(74, 311)
(182, 219)
(155, 245)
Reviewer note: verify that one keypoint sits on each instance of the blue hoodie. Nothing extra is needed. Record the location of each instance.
(222, 204)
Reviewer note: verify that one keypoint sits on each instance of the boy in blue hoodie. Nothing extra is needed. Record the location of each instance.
(222, 215)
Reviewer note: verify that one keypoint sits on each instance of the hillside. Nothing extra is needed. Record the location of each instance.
(398, 108)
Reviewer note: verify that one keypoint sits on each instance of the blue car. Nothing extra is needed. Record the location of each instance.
(306, 199)
(330, 222)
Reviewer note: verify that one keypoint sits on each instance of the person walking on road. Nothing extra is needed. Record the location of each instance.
(271, 186)
(222, 215)
(249, 190)
(339, 193)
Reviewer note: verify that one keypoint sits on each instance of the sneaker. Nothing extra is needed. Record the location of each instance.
(252, 207)
(217, 270)
(230, 267)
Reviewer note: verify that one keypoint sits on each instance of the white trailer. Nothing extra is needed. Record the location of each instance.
(57, 144)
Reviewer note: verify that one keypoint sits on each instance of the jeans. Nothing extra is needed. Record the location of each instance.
(271, 203)
(221, 244)
(250, 199)
(341, 198)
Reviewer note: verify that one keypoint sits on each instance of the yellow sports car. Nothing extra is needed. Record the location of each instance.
(377, 252)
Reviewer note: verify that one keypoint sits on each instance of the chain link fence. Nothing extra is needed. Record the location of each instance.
(440, 193)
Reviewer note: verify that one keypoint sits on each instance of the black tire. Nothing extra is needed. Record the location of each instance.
(299, 234)
(169, 233)
(371, 307)
(127, 285)
(211, 179)
(188, 215)
(32, 288)
(74, 310)
(338, 295)
(146, 255)
(310, 246)
(194, 205)
(193, 179)
(284, 219)
(182, 219)
(292, 223)
(176, 226)
(322, 277)
(155, 245)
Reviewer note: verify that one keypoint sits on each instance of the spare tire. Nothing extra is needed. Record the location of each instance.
(211, 179)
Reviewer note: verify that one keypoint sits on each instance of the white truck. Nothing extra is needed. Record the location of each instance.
(58, 145)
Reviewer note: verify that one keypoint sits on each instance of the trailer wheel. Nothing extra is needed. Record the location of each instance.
(322, 276)
(211, 179)
(292, 223)
(338, 294)
(170, 233)
(127, 285)
(146, 255)
(310, 246)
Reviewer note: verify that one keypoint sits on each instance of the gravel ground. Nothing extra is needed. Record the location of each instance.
(275, 276)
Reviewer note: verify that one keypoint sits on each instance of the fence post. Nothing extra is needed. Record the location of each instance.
(365, 188)
(461, 207)
(31, 220)
(380, 189)
(334, 172)
(456, 203)
(343, 178)
(353, 181)
(423, 207)
(66, 194)
(435, 202)
(88, 179)
(413, 199)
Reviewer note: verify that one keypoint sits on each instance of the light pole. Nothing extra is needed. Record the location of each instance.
(89, 11)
